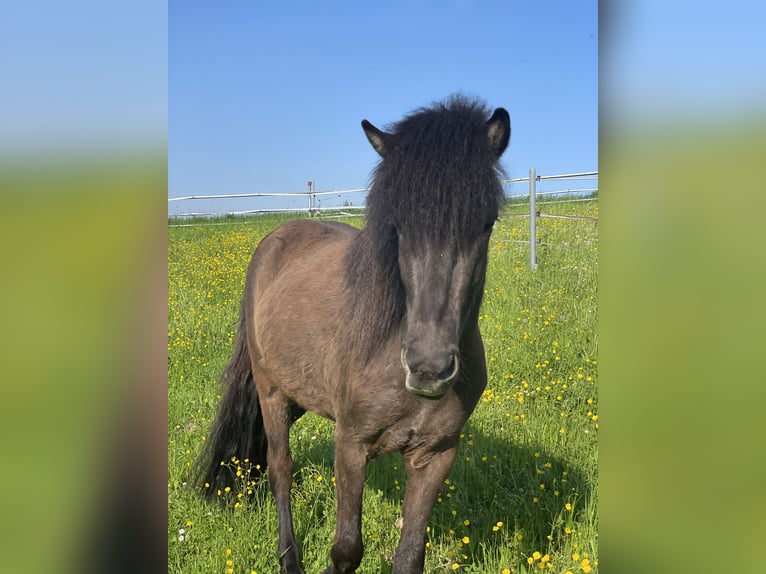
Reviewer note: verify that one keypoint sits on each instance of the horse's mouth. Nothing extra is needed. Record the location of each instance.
(428, 386)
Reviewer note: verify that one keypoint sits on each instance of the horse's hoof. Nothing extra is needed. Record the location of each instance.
(292, 567)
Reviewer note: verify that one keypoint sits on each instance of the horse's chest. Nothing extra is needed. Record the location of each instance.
(420, 430)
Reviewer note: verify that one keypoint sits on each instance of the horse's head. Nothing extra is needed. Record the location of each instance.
(439, 190)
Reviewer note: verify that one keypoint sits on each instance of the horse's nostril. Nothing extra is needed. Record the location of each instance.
(441, 366)
(450, 370)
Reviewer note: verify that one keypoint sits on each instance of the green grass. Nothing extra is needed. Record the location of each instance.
(524, 484)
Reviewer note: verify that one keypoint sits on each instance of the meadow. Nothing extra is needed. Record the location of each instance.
(522, 496)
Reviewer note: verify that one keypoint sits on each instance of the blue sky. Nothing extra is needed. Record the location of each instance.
(82, 75)
(266, 96)
(684, 61)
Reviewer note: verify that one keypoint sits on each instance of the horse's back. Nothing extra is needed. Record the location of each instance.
(294, 295)
(298, 237)
(297, 246)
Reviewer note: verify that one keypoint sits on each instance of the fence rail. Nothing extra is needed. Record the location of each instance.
(313, 207)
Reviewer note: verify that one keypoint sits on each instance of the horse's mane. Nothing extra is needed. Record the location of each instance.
(438, 181)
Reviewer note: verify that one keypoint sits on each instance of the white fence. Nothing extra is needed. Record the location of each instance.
(311, 201)
(352, 200)
(571, 194)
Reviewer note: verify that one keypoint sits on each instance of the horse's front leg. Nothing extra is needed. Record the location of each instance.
(424, 480)
(350, 465)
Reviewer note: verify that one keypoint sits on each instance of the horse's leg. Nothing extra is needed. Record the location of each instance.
(277, 419)
(423, 484)
(350, 464)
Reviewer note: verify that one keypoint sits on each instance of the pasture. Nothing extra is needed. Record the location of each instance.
(522, 495)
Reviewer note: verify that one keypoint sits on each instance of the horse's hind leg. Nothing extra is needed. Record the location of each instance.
(278, 416)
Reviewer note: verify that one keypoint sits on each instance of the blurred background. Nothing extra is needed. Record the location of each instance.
(83, 180)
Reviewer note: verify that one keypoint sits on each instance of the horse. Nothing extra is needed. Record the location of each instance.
(393, 354)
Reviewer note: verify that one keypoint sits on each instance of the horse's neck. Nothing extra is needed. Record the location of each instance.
(376, 297)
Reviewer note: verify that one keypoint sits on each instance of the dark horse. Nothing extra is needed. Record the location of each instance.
(393, 354)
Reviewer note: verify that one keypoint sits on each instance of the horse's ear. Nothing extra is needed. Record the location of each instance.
(380, 140)
(499, 131)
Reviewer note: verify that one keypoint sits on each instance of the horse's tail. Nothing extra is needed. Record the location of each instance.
(235, 449)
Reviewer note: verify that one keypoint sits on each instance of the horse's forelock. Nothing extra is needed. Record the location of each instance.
(439, 178)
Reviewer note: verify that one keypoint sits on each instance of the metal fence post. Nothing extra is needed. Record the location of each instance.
(532, 219)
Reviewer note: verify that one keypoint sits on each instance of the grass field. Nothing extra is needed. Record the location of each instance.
(522, 496)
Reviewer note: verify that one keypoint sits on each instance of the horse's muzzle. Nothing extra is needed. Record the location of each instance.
(430, 376)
